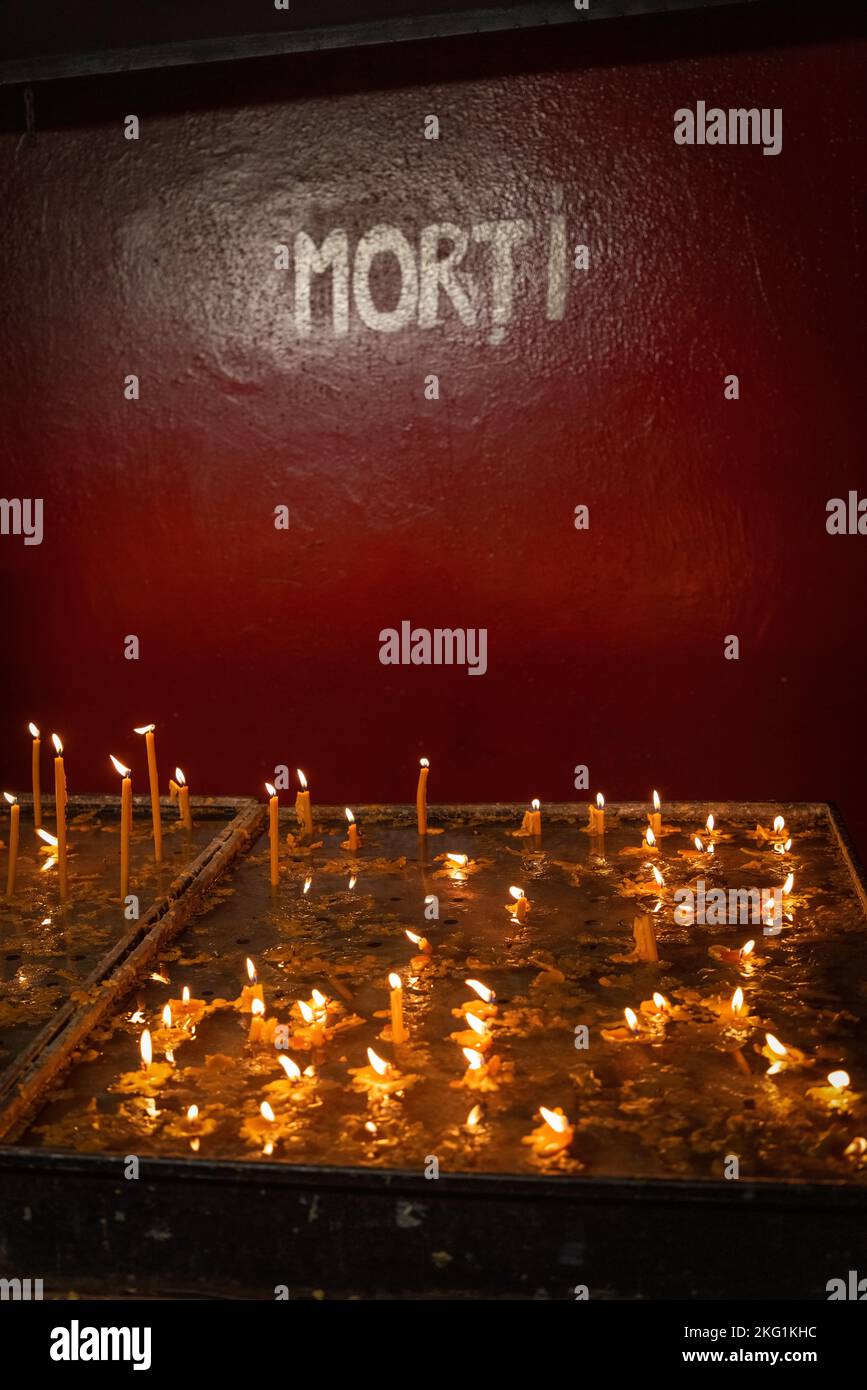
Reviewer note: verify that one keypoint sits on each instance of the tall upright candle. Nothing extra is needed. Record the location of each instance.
(60, 811)
(597, 816)
(274, 833)
(654, 817)
(353, 842)
(398, 1032)
(183, 800)
(125, 824)
(302, 806)
(37, 792)
(421, 796)
(14, 818)
(150, 744)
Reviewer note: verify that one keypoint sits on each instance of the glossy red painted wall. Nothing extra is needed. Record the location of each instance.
(259, 646)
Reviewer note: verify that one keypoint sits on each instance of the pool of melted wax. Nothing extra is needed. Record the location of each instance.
(678, 1103)
(46, 953)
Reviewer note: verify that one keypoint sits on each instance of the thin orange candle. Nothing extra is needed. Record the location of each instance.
(60, 811)
(150, 745)
(125, 824)
(183, 800)
(654, 817)
(37, 792)
(274, 833)
(14, 819)
(421, 796)
(398, 1032)
(353, 843)
(596, 815)
(303, 809)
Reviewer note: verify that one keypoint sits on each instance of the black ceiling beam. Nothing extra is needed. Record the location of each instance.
(40, 46)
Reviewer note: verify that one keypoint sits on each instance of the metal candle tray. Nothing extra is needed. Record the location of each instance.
(646, 1213)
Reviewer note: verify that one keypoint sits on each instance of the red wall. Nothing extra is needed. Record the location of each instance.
(605, 647)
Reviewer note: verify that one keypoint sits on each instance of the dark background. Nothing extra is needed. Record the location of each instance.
(260, 647)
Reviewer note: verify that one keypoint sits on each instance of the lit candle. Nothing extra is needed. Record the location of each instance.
(834, 1094)
(183, 800)
(273, 833)
(150, 745)
(520, 907)
(398, 1032)
(421, 796)
(553, 1135)
(125, 824)
(380, 1077)
(535, 826)
(654, 817)
(262, 1029)
(37, 793)
(596, 816)
(14, 818)
(353, 843)
(251, 991)
(423, 945)
(60, 810)
(303, 809)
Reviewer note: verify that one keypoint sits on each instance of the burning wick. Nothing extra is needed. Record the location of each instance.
(522, 906)
(485, 994)
(631, 1019)
(147, 1050)
(353, 842)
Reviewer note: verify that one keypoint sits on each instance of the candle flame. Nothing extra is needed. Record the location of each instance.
(657, 875)
(839, 1079)
(423, 762)
(352, 882)
(266, 1112)
(660, 1001)
(49, 839)
(180, 778)
(380, 1066)
(349, 816)
(474, 1116)
(535, 804)
(271, 790)
(787, 886)
(737, 1000)
(167, 1016)
(308, 884)
(650, 838)
(476, 1024)
(251, 972)
(600, 801)
(193, 1112)
(779, 824)
(49, 864)
(631, 1019)
(747, 948)
(475, 1059)
(33, 729)
(145, 729)
(318, 998)
(185, 996)
(10, 798)
(302, 779)
(257, 1007)
(147, 1048)
(305, 1011)
(412, 936)
(556, 1122)
(517, 893)
(292, 1069)
(775, 1045)
(656, 801)
(118, 766)
(710, 823)
(460, 859)
(58, 746)
(698, 844)
(395, 981)
(481, 990)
